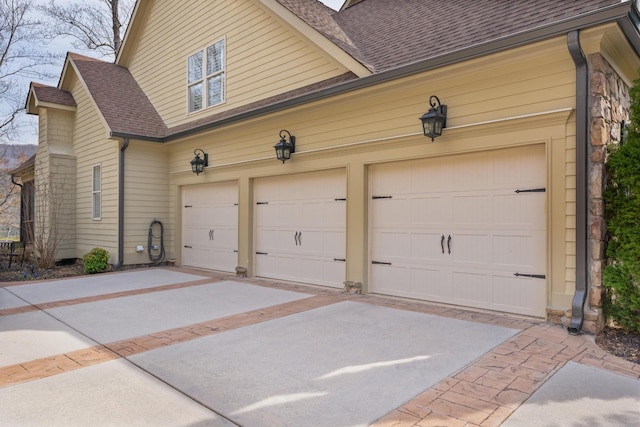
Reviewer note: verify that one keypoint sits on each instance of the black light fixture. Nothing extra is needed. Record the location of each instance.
(434, 120)
(285, 148)
(198, 164)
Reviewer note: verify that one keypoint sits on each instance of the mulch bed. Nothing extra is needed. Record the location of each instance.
(621, 343)
(25, 272)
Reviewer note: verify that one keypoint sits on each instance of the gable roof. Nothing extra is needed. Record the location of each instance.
(390, 38)
(47, 96)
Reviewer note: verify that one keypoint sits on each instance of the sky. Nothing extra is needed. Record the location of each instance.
(29, 133)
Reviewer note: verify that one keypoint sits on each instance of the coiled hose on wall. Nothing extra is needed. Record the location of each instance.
(156, 252)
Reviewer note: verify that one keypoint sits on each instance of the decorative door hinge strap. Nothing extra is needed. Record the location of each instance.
(381, 197)
(188, 247)
(188, 206)
(534, 276)
(262, 203)
(532, 190)
(340, 259)
(262, 253)
(380, 263)
(340, 200)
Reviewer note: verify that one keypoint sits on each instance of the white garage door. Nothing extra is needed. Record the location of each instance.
(467, 230)
(210, 226)
(300, 225)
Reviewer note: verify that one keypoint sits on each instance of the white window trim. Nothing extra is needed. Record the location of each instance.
(95, 192)
(205, 77)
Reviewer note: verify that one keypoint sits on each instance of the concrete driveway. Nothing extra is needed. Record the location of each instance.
(179, 347)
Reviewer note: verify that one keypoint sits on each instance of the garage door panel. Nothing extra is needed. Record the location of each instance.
(334, 214)
(389, 279)
(472, 209)
(516, 252)
(322, 271)
(311, 213)
(472, 171)
(431, 284)
(334, 243)
(427, 247)
(470, 248)
(225, 238)
(520, 295)
(519, 166)
(430, 211)
(437, 176)
(391, 245)
(472, 288)
(311, 242)
(391, 180)
(528, 212)
(391, 212)
(223, 215)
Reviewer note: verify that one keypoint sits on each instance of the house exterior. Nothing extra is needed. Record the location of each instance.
(502, 212)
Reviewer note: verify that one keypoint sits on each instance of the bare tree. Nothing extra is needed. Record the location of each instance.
(21, 57)
(97, 25)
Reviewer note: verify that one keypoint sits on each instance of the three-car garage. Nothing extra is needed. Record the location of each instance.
(466, 229)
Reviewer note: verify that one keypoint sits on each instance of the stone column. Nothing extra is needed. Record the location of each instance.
(609, 108)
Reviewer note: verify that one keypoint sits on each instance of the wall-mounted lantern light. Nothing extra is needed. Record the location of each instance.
(198, 164)
(285, 148)
(434, 120)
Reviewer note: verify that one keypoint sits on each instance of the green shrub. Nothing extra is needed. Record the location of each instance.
(621, 276)
(96, 261)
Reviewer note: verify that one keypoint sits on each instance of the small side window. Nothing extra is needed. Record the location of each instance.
(96, 191)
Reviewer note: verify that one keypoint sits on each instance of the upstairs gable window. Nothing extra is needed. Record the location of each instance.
(206, 77)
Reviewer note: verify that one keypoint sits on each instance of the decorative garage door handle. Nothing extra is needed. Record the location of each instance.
(532, 190)
(211, 234)
(449, 243)
(533, 276)
(442, 243)
(296, 238)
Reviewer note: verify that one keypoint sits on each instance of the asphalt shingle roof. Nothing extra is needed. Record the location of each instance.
(52, 95)
(390, 34)
(123, 104)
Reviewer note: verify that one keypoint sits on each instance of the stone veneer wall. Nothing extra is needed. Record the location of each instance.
(609, 108)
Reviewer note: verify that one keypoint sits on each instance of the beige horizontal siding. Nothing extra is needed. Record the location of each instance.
(146, 197)
(263, 57)
(92, 147)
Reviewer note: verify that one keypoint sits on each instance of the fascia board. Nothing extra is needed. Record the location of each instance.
(313, 36)
(129, 41)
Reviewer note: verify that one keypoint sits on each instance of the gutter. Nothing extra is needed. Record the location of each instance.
(118, 265)
(620, 13)
(582, 146)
